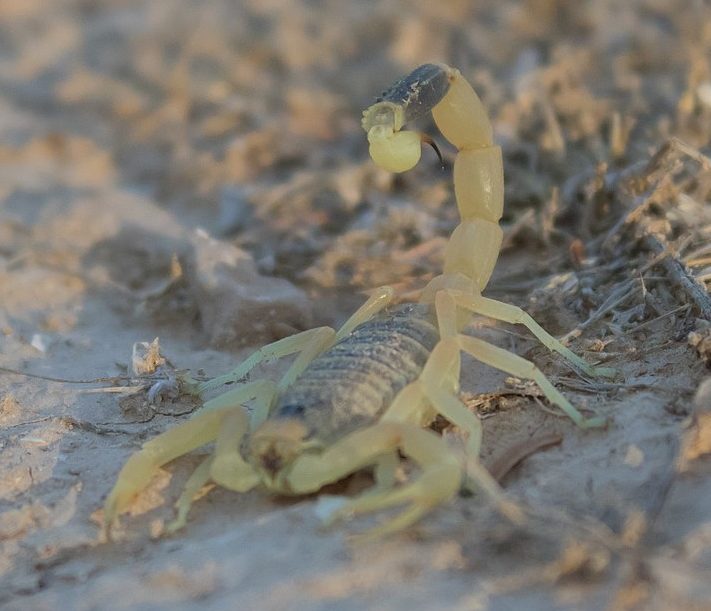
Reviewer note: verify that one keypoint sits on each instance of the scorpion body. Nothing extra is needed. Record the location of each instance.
(350, 386)
(360, 396)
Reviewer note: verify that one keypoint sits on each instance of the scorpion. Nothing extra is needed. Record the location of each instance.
(362, 397)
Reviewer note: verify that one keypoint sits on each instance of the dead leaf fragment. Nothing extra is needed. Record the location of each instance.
(146, 357)
(701, 340)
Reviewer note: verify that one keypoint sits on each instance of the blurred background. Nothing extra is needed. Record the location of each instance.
(243, 117)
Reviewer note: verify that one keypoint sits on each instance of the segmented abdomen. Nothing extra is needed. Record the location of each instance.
(350, 385)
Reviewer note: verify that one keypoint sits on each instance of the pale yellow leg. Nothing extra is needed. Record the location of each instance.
(196, 481)
(443, 361)
(379, 300)
(322, 339)
(226, 467)
(436, 387)
(202, 428)
(517, 366)
(509, 313)
(432, 393)
(442, 365)
(229, 469)
(446, 309)
(283, 347)
(409, 406)
(261, 391)
(438, 482)
(263, 400)
(479, 478)
(308, 343)
(141, 466)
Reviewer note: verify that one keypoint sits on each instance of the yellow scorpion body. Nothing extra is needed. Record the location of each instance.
(359, 397)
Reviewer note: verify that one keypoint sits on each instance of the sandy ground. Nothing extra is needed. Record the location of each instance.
(195, 171)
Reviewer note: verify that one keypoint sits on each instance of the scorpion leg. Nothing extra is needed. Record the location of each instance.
(515, 315)
(138, 471)
(438, 482)
(284, 347)
(379, 300)
(201, 429)
(322, 339)
(520, 367)
(228, 468)
(225, 467)
(451, 407)
(308, 343)
(385, 473)
(196, 481)
(443, 364)
(261, 391)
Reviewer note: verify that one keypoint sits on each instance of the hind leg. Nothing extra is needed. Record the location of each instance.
(520, 367)
(308, 344)
(509, 313)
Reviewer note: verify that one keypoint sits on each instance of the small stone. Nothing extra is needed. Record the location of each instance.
(634, 456)
(41, 342)
(238, 305)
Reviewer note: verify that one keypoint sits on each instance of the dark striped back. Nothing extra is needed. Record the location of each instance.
(350, 386)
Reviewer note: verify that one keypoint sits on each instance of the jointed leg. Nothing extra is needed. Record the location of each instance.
(385, 473)
(309, 343)
(512, 314)
(263, 399)
(517, 366)
(283, 347)
(262, 392)
(438, 482)
(322, 339)
(228, 468)
(433, 393)
(201, 429)
(479, 478)
(442, 365)
(379, 300)
(446, 309)
(141, 466)
(196, 481)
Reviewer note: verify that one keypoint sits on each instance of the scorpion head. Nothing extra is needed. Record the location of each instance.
(274, 446)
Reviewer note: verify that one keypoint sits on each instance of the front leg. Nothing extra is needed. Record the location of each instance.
(140, 468)
(438, 482)
(201, 429)
(310, 342)
(378, 301)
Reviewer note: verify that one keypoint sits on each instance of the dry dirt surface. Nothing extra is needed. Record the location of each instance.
(195, 171)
